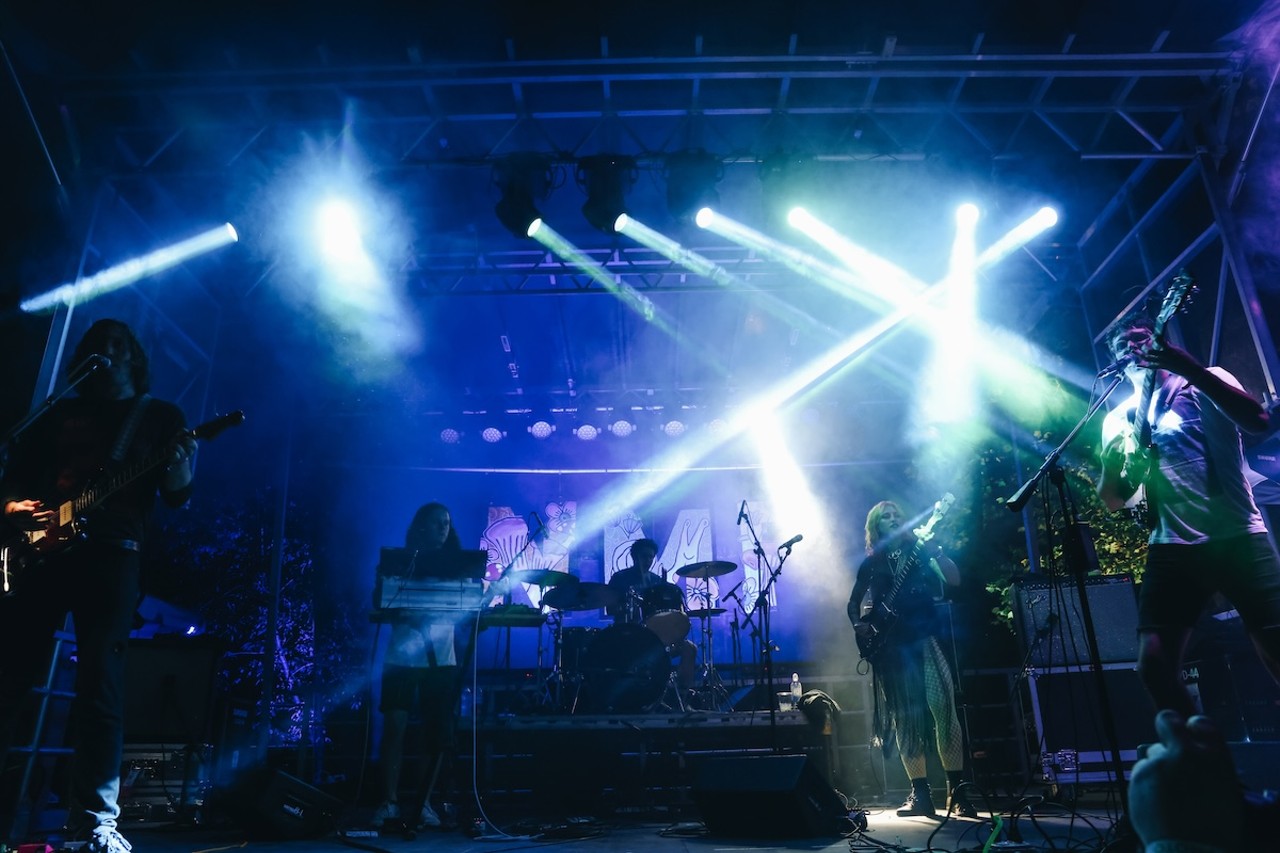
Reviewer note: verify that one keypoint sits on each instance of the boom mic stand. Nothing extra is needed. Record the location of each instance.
(1075, 550)
(76, 376)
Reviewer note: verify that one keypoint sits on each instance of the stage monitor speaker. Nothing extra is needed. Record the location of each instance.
(1050, 620)
(767, 796)
(270, 803)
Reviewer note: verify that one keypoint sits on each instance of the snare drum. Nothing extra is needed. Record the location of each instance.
(664, 612)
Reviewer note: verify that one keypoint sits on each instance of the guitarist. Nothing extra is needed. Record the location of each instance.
(913, 683)
(1208, 535)
(109, 425)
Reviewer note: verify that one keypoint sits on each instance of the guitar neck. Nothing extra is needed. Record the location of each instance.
(1142, 413)
(91, 497)
(913, 559)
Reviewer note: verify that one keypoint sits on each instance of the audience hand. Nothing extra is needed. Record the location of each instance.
(1185, 789)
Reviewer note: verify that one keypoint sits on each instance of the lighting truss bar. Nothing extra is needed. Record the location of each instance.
(616, 70)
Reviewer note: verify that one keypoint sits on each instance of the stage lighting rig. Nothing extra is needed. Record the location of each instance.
(692, 176)
(605, 178)
(523, 179)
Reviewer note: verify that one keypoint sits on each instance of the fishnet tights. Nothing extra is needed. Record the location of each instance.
(940, 696)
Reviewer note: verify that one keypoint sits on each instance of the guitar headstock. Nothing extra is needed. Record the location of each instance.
(925, 531)
(1181, 290)
(214, 428)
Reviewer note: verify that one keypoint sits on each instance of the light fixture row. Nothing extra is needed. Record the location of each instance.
(525, 179)
(620, 428)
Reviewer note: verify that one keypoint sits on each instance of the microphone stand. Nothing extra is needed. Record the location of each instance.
(77, 375)
(1020, 497)
(1075, 556)
(766, 641)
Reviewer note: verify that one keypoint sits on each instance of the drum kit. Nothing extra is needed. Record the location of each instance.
(626, 667)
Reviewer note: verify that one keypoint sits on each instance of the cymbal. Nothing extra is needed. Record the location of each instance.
(706, 569)
(581, 596)
(706, 612)
(543, 577)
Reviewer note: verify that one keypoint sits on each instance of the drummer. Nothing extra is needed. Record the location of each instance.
(635, 581)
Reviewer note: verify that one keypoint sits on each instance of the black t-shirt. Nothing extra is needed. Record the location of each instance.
(69, 449)
(631, 577)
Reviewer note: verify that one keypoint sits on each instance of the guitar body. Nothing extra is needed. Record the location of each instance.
(872, 631)
(32, 547)
(65, 529)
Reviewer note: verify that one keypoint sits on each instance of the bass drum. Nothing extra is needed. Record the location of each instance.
(624, 670)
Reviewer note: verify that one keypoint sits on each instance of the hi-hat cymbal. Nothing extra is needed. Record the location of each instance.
(706, 569)
(581, 596)
(543, 577)
(706, 612)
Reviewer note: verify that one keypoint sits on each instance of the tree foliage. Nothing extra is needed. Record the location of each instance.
(217, 561)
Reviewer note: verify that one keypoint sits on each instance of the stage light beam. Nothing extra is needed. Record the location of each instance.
(132, 270)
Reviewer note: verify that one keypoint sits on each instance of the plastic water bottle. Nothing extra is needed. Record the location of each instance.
(467, 705)
(796, 691)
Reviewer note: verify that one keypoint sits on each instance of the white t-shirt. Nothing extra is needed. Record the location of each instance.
(1198, 485)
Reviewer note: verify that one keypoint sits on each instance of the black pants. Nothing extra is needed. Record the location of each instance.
(98, 585)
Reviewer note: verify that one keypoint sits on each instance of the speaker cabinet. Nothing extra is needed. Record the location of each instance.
(169, 690)
(1050, 620)
(1072, 745)
(767, 796)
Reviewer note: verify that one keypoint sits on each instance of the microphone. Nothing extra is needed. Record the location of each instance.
(1116, 366)
(742, 513)
(537, 518)
(733, 593)
(793, 540)
(91, 363)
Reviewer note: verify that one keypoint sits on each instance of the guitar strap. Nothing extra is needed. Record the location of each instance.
(129, 427)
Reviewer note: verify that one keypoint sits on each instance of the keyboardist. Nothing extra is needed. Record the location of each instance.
(420, 666)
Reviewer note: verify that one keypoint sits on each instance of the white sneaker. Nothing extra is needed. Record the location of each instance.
(106, 839)
(384, 812)
(428, 817)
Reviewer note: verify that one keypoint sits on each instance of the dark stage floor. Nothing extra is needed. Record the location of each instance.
(1082, 830)
(655, 782)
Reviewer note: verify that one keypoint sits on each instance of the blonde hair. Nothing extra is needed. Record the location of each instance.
(873, 522)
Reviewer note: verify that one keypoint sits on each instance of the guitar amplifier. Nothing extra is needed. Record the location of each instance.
(1050, 620)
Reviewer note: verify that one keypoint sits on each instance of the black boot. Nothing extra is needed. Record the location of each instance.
(958, 802)
(919, 801)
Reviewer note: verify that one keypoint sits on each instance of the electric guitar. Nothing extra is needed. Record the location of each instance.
(872, 629)
(1138, 441)
(68, 526)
